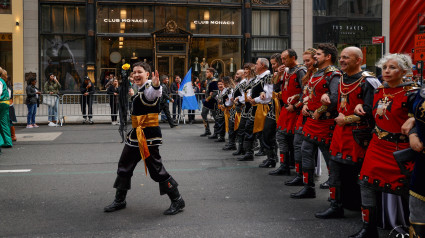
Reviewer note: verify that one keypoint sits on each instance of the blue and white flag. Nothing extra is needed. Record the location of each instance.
(186, 91)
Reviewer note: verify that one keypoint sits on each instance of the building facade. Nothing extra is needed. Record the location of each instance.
(95, 37)
(11, 41)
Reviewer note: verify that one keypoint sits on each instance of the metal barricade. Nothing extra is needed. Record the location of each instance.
(181, 116)
(43, 110)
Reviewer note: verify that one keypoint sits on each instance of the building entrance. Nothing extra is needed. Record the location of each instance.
(172, 65)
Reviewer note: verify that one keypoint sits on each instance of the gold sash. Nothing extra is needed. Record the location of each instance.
(237, 120)
(277, 106)
(260, 116)
(226, 117)
(5, 102)
(140, 123)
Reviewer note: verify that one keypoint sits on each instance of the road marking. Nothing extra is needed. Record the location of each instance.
(16, 171)
(114, 172)
(50, 136)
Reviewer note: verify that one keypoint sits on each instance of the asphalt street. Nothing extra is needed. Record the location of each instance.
(71, 170)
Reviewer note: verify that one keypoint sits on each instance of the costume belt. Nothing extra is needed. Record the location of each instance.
(5, 102)
(324, 116)
(260, 116)
(389, 136)
(140, 123)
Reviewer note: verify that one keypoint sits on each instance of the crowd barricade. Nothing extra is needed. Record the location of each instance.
(69, 107)
(181, 117)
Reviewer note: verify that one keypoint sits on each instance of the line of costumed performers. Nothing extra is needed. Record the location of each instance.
(369, 132)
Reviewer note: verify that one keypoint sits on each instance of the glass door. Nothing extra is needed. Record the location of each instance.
(172, 65)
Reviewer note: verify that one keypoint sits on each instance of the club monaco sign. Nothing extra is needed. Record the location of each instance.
(214, 22)
(107, 20)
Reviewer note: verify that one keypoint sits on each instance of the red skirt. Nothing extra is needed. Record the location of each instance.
(300, 123)
(287, 121)
(344, 148)
(380, 170)
(319, 130)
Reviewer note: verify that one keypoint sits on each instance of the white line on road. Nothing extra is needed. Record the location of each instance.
(16, 171)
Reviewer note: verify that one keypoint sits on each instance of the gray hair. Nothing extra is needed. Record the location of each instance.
(404, 61)
(264, 62)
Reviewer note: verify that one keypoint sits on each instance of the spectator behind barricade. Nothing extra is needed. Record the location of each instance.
(196, 90)
(52, 87)
(110, 81)
(104, 80)
(5, 138)
(32, 101)
(112, 91)
(131, 79)
(165, 99)
(87, 91)
(177, 100)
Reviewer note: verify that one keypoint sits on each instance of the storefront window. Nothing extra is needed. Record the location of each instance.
(5, 7)
(63, 56)
(343, 8)
(215, 21)
(222, 54)
(113, 52)
(6, 61)
(63, 19)
(270, 30)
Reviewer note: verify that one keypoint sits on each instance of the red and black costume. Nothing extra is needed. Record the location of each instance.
(380, 171)
(317, 132)
(346, 152)
(291, 87)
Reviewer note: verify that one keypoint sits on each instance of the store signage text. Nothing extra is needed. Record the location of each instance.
(348, 29)
(125, 20)
(214, 22)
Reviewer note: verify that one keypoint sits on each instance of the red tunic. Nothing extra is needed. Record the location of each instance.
(301, 118)
(290, 87)
(380, 170)
(319, 130)
(344, 148)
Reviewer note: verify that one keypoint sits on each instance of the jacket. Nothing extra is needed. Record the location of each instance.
(32, 97)
(165, 94)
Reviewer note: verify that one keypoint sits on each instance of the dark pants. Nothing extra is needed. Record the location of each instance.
(249, 130)
(221, 127)
(343, 182)
(177, 106)
(232, 133)
(191, 115)
(87, 100)
(165, 107)
(308, 151)
(204, 115)
(130, 156)
(285, 142)
(269, 134)
(114, 110)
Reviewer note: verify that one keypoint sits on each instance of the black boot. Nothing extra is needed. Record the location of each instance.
(220, 139)
(240, 150)
(260, 152)
(169, 187)
(283, 168)
(416, 230)
(308, 190)
(270, 162)
(207, 131)
(369, 229)
(230, 146)
(298, 179)
(118, 203)
(249, 152)
(335, 210)
(213, 137)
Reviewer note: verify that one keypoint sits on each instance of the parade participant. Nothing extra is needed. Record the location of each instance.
(417, 182)
(143, 142)
(291, 88)
(165, 99)
(239, 99)
(269, 132)
(318, 128)
(234, 112)
(309, 61)
(5, 136)
(259, 96)
(380, 171)
(209, 103)
(223, 106)
(347, 149)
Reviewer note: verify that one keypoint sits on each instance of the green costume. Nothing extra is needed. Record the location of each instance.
(5, 137)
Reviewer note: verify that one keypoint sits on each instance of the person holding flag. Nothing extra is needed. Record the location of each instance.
(186, 91)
